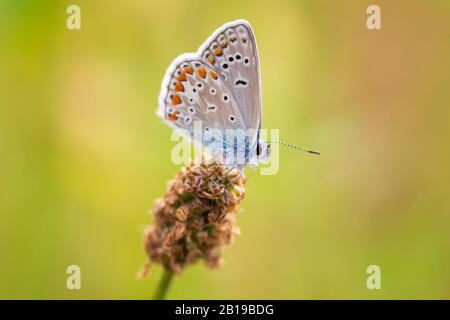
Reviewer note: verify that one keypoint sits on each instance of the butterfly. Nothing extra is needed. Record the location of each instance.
(219, 87)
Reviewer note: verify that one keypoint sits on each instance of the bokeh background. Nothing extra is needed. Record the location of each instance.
(83, 155)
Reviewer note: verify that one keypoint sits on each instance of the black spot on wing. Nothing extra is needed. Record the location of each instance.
(240, 83)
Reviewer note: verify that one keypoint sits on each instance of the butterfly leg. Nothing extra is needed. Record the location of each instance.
(255, 168)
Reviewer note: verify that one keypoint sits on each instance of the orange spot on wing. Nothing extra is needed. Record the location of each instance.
(201, 72)
(213, 74)
(189, 70)
(224, 44)
(173, 116)
(182, 77)
(179, 87)
(176, 99)
(211, 59)
(218, 52)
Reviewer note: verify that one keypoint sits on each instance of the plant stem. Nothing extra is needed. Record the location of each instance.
(164, 285)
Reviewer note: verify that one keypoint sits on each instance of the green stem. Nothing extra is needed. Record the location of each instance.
(164, 285)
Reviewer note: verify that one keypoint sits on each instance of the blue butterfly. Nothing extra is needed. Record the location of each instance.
(215, 95)
(219, 87)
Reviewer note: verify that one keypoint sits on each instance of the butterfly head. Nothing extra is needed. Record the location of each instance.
(263, 150)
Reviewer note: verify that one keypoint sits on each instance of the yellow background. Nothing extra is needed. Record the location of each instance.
(83, 155)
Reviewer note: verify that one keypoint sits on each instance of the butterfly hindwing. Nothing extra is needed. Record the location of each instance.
(232, 51)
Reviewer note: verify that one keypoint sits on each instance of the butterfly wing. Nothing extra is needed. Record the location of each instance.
(194, 91)
(232, 50)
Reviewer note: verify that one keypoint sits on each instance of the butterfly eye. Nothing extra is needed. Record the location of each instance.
(230, 59)
(191, 110)
(225, 98)
(211, 109)
(191, 100)
(238, 57)
(246, 61)
(213, 91)
(232, 118)
(199, 85)
(187, 120)
(225, 66)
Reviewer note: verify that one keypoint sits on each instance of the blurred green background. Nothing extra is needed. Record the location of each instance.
(83, 155)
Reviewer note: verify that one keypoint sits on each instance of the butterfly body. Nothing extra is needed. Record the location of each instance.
(218, 89)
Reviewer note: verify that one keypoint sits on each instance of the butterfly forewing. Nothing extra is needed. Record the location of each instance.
(232, 51)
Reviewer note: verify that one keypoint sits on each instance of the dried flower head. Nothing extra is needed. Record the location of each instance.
(196, 217)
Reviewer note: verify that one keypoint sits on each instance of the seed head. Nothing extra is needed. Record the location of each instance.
(196, 217)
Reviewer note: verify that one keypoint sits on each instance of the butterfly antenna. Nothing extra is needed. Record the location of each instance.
(297, 147)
